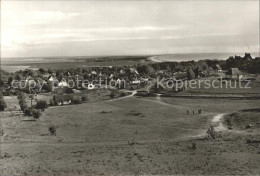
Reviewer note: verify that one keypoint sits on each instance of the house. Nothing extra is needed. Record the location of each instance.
(160, 72)
(218, 68)
(136, 81)
(63, 83)
(234, 73)
(76, 91)
(122, 72)
(93, 72)
(30, 81)
(91, 86)
(52, 78)
(133, 71)
(144, 79)
(62, 99)
(118, 81)
(28, 78)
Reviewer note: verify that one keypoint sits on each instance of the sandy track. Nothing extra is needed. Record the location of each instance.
(128, 96)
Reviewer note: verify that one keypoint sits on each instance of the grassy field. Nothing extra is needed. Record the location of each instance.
(232, 87)
(134, 135)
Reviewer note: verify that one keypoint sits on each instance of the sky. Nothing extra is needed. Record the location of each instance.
(90, 28)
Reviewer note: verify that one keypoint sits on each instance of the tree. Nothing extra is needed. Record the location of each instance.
(112, 94)
(2, 103)
(84, 98)
(190, 73)
(41, 104)
(36, 113)
(76, 100)
(52, 103)
(32, 98)
(22, 101)
(10, 80)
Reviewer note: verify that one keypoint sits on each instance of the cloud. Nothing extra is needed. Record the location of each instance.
(88, 27)
(35, 17)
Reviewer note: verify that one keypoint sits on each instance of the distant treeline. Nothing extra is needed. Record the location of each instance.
(246, 64)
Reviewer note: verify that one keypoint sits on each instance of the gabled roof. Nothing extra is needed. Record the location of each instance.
(218, 67)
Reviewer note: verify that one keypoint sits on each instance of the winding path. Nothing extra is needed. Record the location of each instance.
(128, 96)
(217, 122)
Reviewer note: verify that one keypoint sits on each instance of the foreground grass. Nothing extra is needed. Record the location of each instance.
(127, 136)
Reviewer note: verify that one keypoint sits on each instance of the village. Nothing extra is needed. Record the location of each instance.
(127, 109)
(141, 77)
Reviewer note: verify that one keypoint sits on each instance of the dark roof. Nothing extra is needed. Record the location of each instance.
(234, 71)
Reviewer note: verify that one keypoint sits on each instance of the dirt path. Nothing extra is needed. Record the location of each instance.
(217, 122)
(128, 96)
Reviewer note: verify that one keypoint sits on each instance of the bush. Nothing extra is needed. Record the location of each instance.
(22, 101)
(122, 94)
(42, 104)
(36, 113)
(55, 101)
(84, 98)
(112, 94)
(2, 103)
(212, 133)
(47, 87)
(52, 103)
(76, 100)
(28, 111)
(52, 129)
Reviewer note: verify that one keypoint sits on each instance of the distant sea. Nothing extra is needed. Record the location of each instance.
(196, 56)
(159, 58)
(21, 63)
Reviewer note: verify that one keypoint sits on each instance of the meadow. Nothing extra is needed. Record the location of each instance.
(133, 135)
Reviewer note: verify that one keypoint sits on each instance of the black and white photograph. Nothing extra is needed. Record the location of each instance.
(129, 87)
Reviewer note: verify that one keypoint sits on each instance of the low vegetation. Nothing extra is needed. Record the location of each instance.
(212, 134)
(34, 111)
(2, 103)
(52, 129)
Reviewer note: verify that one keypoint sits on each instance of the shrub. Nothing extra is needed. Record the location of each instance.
(2, 103)
(22, 101)
(112, 94)
(194, 146)
(52, 102)
(76, 100)
(52, 129)
(47, 87)
(122, 94)
(42, 104)
(212, 133)
(36, 113)
(28, 111)
(84, 98)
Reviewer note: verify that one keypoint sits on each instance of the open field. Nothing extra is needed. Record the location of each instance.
(212, 87)
(133, 135)
(230, 87)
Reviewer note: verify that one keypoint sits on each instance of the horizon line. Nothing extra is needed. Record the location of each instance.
(131, 55)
